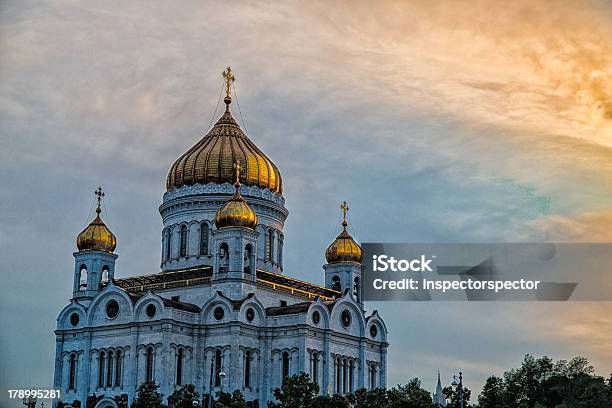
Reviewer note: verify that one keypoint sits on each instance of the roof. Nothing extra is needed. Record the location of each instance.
(202, 275)
(290, 285)
(165, 280)
(173, 304)
(289, 309)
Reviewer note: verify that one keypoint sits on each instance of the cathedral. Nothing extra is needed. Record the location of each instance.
(222, 313)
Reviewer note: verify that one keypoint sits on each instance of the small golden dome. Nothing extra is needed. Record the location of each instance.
(96, 236)
(210, 160)
(236, 212)
(344, 248)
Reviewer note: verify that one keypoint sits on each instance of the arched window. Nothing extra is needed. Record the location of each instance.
(285, 364)
(204, 238)
(105, 274)
(72, 379)
(218, 368)
(356, 290)
(169, 244)
(372, 376)
(247, 369)
(315, 368)
(183, 247)
(83, 277)
(223, 258)
(101, 363)
(336, 284)
(344, 367)
(179, 367)
(280, 249)
(270, 245)
(350, 382)
(248, 251)
(118, 369)
(149, 365)
(109, 370)
(338, 375)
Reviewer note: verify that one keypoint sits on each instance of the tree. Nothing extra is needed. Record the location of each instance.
(334, 401)
(148, 396)
(227, 400)
(492, 395)
(524, 385)
(410, 395)
(363, 398)
(453, 397)
(183, 397)
(297, 391)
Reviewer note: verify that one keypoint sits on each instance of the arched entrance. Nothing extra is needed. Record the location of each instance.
(106, 403)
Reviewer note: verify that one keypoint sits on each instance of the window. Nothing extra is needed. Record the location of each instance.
(338, 376)
(74, 319)
(118, 369)
(183, 247)
(336, 284)
(112, 309)
(169, 245)
(151, 310)
(101, 361)
(372, 376)
(248, 251)
(247, 369)
(315, 368)
(270, 245)
(350, 382)
(149, 365)
(179, 367)
(204, 239)
(223, 258)
(346, 318)
(218, 363)
(285, 364)
(356, 290)
(82, 277)
(105, 274)
(72, 380)
(344, 376)
(219, 313)
(109, 370)
(280, 249)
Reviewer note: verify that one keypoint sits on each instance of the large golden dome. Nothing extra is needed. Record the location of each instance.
(211, 159)
(344, 248)
(236, 212)
(96, 236)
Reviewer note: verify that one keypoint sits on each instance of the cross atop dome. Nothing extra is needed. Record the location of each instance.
(228, 76)
(344, 206)
(99, 195)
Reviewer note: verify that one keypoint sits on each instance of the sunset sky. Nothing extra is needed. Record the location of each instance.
(459, 121)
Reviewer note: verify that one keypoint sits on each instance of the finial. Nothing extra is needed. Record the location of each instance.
(237, 168)
(99, 194)
(228, 76)
(344, 206)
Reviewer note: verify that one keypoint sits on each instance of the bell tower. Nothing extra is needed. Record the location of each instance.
(94, 263)
(344, 256)
(235, 237)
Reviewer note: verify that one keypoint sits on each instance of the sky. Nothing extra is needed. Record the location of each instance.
(448, 121)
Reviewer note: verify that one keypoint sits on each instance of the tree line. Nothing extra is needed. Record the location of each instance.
(537, 383)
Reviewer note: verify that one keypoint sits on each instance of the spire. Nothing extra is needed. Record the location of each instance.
(99, 194)
(228, 76)
(344, 206)
(439, 382)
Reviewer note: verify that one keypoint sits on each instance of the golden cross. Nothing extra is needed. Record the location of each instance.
(99, 194)
(237, 168)
(228, 75)
(344, 206)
